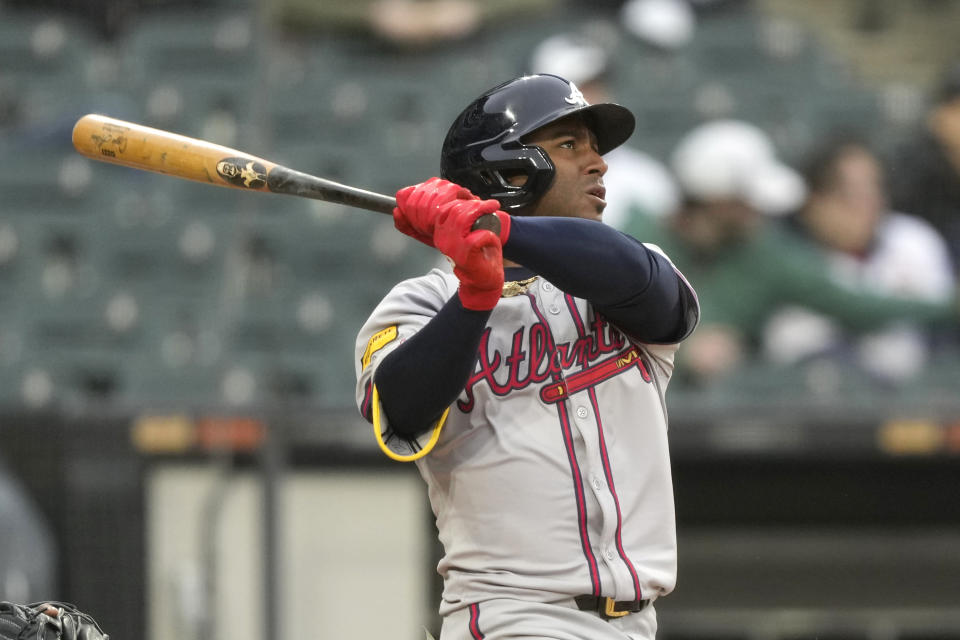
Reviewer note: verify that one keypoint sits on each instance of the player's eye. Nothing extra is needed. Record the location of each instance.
(568, 143)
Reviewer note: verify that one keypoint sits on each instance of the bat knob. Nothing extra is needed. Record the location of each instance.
(490, 222)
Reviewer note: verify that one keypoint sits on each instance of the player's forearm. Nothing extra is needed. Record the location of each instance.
(585, 258)
(424, 376)
(635, 287)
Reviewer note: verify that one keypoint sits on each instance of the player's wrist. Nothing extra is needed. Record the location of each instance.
(477, 299)
(479, 267)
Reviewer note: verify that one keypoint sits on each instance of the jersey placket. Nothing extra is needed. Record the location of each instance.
(546, 301)
(602, 513)
(605, 519)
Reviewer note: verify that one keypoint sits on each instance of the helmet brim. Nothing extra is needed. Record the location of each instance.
(611, 123)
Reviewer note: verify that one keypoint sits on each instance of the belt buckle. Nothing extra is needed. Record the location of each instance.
(610, 611)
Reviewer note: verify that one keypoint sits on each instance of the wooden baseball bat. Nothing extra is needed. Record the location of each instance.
(140, 147)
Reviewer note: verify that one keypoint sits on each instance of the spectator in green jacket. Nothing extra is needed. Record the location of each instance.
(866, 245)
(728, 242)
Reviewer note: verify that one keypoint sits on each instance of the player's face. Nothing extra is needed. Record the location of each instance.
(577, 190)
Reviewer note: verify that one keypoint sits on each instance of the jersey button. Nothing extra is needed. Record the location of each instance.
(554, 309)
(609, 554)
(546, 286)
(597, 483)
(582, 412)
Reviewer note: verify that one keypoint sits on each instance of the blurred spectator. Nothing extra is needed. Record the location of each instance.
(867, 246)
(925, 171)
(109, 18)
(404, 23)
(663, 24)
(27, 555)
(634, 179)
(743, 264)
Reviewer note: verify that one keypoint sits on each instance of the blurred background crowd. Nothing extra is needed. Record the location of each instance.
(808, 183)
(799, 162)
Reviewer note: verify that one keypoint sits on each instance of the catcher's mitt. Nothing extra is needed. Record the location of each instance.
(47, 621)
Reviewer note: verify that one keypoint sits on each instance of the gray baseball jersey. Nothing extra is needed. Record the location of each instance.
(550, 475)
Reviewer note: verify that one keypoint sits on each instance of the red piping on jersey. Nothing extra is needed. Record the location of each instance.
(604, 456)
(581, 500)
(475, 622)
(608, 473)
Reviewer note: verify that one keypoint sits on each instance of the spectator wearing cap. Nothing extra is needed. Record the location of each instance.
(867, 246)
(728, 238)
(925, 170)
(662, 24)
(634, 178)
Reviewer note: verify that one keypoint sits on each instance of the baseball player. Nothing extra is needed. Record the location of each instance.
(528, 385)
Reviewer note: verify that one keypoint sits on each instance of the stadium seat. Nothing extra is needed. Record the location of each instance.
(42, 58)
(196, 70)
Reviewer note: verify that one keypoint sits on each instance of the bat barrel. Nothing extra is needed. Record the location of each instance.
(134, 145)
(140, 147)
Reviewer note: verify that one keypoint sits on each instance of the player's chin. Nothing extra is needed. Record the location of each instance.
(593, 209)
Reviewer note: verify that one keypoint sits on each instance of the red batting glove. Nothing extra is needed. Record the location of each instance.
(419, 205)
(477, 255)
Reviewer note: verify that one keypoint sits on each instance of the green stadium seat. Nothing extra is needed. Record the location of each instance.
(41, 45)
(193, 67)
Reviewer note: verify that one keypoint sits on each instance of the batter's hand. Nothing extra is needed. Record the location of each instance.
(477, 254)
(419, 206)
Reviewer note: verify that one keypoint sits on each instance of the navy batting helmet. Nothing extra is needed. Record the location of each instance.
(484, 146)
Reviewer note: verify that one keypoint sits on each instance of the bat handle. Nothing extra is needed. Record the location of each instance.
(490, 222)
(386, 204)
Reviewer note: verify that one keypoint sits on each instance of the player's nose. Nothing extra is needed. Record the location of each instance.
(595, 163)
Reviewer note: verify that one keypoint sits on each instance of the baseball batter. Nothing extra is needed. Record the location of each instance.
(528, 385)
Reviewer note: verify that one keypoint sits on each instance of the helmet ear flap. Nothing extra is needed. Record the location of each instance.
(499, 176)
(494, 176)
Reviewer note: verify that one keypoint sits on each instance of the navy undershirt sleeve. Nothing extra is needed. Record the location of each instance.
(635, 288)
(425, 374)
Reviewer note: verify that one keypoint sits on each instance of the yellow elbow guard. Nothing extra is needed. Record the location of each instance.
(401, 457)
